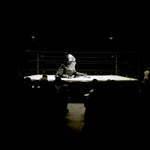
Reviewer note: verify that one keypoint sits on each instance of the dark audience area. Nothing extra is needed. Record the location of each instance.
(114, 110)
(117, 111)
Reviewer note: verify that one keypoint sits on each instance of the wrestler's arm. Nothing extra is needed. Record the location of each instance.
(63, 66)
(69, 62)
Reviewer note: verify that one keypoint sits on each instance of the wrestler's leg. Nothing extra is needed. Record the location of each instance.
(63, 67)
(82, 74)
(60, 71)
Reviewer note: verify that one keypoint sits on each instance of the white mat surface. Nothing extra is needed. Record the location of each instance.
(84, 79)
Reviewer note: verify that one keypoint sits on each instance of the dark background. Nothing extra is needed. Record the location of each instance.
(76, 27)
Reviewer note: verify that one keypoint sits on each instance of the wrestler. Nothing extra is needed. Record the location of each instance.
(71, 61)
(65, 72)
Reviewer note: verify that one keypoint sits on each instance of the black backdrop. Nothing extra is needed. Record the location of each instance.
(77, 27)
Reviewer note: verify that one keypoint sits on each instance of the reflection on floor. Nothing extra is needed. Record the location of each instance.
(75, 117)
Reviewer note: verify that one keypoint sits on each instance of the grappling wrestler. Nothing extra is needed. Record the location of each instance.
(69, 71)
(65, 72)
(71, 61)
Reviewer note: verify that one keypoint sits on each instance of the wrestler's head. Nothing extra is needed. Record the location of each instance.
(60, 71)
